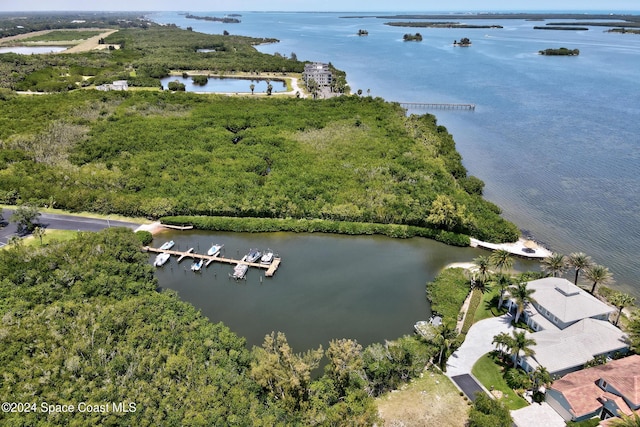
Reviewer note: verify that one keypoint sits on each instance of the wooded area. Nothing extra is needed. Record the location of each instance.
(83, 322)
(155, 154)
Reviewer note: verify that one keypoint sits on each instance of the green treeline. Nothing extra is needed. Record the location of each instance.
(82, 322)
(157, 154)
(262, 225)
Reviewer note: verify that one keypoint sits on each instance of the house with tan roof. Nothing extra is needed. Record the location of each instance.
(572, 327)
(603, 391)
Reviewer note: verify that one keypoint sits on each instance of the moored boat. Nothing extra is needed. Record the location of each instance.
(267, 257)
(240, 271)
(253, 255)
(161, 259)
(167, 245)
(214, 250)
(197, 265)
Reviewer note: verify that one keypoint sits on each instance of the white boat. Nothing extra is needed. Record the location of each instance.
(161, 259)
(240, 271)
(267, 257)
(196, 266)
(253, 255)
(167, 245)
(214, 250)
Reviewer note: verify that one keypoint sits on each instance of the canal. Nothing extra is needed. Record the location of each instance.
(368, 288)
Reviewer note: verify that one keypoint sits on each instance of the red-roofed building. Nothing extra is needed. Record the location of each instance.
(604, 391)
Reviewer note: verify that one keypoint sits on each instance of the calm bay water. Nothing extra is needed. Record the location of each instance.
(370, 288)
(554, 138)
(225, 85)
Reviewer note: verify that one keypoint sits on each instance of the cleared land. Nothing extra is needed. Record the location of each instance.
(84, 46)
(428, 401)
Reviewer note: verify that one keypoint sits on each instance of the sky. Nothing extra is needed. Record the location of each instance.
(324, 5)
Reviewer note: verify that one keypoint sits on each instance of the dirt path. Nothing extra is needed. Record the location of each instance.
(91, 43)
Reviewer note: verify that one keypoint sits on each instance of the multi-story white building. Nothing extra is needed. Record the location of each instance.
(318, 72)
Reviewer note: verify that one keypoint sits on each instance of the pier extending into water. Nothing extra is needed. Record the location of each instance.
(270, 268)
(430, 106)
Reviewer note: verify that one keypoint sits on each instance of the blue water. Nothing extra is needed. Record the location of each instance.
(29, 50)
(226, 85)
(554, 138)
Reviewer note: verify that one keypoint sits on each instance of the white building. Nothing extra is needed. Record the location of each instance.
(116, 85)
(319, 72)
(572, 327)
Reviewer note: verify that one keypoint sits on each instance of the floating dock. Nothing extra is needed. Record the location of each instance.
(270, 268)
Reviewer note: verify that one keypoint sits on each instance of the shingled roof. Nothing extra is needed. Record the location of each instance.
(585, 396)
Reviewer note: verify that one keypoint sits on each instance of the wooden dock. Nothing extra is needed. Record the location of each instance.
(431, 106)
(270, 268)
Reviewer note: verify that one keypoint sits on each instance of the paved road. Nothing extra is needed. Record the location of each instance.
(61, 222)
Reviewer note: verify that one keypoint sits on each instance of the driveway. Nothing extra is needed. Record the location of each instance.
(476, 344)
(468, 385)
(537, 414)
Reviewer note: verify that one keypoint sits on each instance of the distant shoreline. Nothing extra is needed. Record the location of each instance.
(527, 16)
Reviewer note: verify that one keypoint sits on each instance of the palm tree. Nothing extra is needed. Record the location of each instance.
(522, 297)
(540, 377)
(621, 300)
(38, 232)
(555, 264)
(502, 259)
(627, 421)
(599, 275)
(445, 336)
(481, 270)
(579, 261)
(502, 281)
(521, 344)
(502, 341)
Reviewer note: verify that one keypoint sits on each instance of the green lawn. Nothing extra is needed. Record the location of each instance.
(49, 236)
(488, 306)
(62, 35)
(490, 375)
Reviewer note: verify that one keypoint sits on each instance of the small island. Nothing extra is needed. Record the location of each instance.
(439, 25)
(464, 42)
(563, 51)
(561, 28)
(417, 37)
(363, 32)
(225, 20)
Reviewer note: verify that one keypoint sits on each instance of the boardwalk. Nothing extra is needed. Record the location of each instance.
(429, 106)
(270, 268)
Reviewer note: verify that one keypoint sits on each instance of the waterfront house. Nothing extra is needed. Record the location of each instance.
(571, 327)
(318, 72)
(604, 391)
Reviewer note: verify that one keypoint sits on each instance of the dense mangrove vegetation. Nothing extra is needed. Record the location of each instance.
(157, 154)
(83, 322)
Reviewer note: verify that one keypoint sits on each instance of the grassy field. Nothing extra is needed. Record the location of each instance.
(428, 401)
(490, 375)
(66, 35)
(49, 236)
